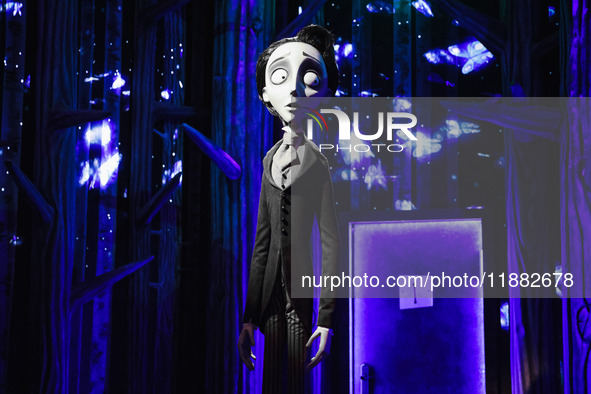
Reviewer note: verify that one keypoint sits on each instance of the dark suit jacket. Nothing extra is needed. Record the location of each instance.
(284, 229)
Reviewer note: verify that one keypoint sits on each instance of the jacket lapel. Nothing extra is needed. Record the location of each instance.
(268, 161)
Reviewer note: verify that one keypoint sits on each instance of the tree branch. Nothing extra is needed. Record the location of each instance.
(223, 160)
(30, 191)
(165, 111)
(66, 119)
(83, 292)
(152, 207)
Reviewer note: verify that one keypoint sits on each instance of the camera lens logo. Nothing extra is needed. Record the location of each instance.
(388, 124)
(318, 118)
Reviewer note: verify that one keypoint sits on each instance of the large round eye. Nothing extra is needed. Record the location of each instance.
(279, 76)
(311, 79)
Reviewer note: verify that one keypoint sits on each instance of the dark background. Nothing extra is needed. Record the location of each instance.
(83, 311)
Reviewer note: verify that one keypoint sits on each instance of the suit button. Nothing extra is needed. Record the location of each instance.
(282, 194)
(284, 220)
(283, 231)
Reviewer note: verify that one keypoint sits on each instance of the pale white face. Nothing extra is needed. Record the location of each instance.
(294, 69)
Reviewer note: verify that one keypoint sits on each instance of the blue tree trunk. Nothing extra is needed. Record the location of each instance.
(240, 127)
(575, 193)
(10, 148)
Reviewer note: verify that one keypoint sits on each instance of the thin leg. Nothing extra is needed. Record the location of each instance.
(275, 358)
(298, 380)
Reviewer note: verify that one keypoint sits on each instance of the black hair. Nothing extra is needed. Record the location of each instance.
(319, 38)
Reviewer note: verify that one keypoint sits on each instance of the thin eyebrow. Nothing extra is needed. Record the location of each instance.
(279, 58)
(311, 57)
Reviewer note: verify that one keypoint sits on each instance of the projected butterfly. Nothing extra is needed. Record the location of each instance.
(474, 51)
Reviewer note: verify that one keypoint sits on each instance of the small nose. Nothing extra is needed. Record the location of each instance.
(297, 89)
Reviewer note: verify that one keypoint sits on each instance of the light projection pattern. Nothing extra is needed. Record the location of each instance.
(471, 55)
(367, 93)
(358, 158)
(343, 50)
(364, 164)
(439, 56)
(165, 94)
(16, 240)
(423, 7)
(455, 129)
(100, 174)
(344, 174)
(380, 7)
(505, 316)
(117, 83)
(175, 56)
(426, 146)
(169, 174)
(14, 7)
(375, 176)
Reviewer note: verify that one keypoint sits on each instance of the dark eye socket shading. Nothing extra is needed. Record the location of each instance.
(312, 63)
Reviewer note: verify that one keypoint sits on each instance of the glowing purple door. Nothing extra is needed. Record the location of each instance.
(425, 344)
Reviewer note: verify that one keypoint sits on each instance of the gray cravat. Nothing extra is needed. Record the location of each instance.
(286, 157)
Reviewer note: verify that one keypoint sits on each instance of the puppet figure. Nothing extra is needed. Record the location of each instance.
(300, 66)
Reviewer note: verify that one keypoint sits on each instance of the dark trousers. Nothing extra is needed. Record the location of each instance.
(286, 354)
